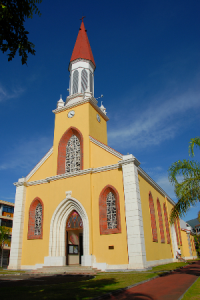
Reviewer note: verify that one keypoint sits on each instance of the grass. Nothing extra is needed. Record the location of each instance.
(168, 267)
(84, 289)
(194, 291)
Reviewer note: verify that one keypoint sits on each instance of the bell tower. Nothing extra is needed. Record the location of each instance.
(82, 65)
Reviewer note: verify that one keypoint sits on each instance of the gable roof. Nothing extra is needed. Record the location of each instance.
(193, 222)
(82, 47)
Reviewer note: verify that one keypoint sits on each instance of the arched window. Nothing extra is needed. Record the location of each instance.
(162, 236)
(36, 215)
(109, 211)
(70, 151)
(75, 82)
(84, 80)
(153, 218)
(166, 223)
(73, 155)
(91, 83)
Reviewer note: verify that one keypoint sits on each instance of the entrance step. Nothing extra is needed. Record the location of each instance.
(75, 270)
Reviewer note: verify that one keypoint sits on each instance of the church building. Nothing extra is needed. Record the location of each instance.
(84, 202)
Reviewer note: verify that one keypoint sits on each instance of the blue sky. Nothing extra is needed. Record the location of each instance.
(148, 69)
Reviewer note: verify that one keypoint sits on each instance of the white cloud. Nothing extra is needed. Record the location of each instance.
(12, 93)
(160, 121)
(25, 155)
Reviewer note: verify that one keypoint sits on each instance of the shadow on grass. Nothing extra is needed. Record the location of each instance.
(58, 287)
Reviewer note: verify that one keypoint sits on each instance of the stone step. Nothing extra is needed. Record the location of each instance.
(65, 270)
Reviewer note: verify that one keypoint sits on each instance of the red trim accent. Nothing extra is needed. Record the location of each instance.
(153, 218)
(179, 231)
(166, 224)
(175, 225)
(62, 148)
(31, 222)
(103, 210)
(160, 222)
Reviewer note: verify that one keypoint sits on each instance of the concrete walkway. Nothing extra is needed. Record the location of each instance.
(169, 287)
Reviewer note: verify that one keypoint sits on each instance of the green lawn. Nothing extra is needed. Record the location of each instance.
(194, 292)
(84, 289)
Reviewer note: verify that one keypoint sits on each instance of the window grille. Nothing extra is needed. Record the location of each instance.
(73, 155)
(75, 82)
(91, 83)
(38, 219)
(111, 211)
(84, 80)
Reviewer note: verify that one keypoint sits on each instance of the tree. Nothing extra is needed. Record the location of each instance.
(199, 216)
(4, 237)
(13, 35)
(185, 176)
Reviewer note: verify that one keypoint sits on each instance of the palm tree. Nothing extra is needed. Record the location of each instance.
(185, 176)
(4, 237)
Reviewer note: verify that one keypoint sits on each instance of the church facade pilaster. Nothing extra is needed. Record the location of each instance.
(18, 225)
(133, 212)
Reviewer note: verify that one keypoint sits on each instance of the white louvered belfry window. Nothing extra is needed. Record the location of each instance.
(38, 220)
(91, 83)
(73, 155)
(111, 211)
(84, 80)
(75, 82)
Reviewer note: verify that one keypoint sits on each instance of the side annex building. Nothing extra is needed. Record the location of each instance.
(85, 203)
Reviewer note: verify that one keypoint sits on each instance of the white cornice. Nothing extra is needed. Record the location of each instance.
(39, 164)
(91, 100)
(105, 147)
(154, 184)
(130, 160)
(67, 175)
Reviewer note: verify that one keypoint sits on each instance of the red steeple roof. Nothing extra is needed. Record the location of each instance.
(82, 47)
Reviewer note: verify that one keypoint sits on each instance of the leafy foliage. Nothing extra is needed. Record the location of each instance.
(185, 176)
(4, 237)
(13, 35)
(197, 243)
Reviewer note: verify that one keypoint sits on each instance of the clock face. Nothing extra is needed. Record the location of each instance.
(98, 118)
(71, 114)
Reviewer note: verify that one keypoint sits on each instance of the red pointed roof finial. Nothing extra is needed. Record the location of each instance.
(82, 47)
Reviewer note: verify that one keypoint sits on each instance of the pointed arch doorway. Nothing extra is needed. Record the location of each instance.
(74, 239)
(57, 238)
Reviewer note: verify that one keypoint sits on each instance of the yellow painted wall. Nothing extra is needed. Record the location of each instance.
(101, 157)
(97, 130)
(119, 254)
(51, 194)
(185, 246)
(154, 250)
(44, 171)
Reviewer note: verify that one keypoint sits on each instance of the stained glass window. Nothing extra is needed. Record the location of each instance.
(74, 221)
(73, 155)
(38, 219)
(111, 211)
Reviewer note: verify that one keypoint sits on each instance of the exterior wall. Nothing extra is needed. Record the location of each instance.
(44, 171)
(185, 248)
(97, 130)
(90, 126)
(101, 157)
(194, 253)
(154, 250)
(51, 195)
(101, 243)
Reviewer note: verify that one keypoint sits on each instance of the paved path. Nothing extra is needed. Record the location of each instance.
(168, 287)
